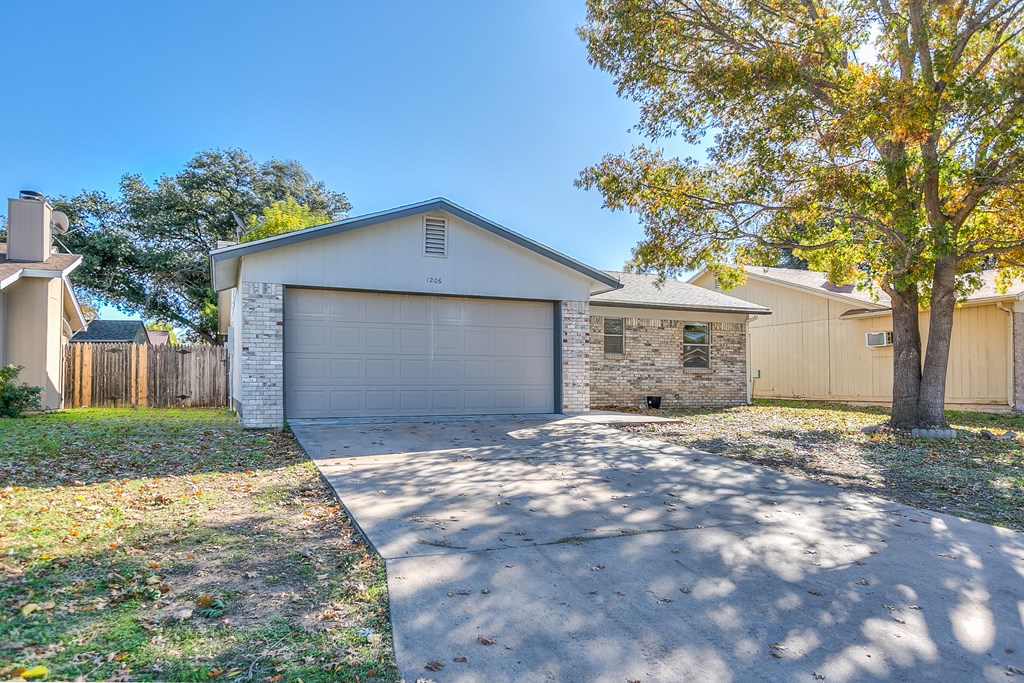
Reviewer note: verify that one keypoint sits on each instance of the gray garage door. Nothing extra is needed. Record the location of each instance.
(353, 354)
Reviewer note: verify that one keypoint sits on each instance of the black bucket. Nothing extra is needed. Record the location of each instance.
(654, 402)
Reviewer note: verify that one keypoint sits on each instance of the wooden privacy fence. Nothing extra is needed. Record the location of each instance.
(108, 375)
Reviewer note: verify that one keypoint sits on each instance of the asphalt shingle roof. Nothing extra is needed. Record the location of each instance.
(646, 291)
(56, 262)
(817, 280)
(111, 331)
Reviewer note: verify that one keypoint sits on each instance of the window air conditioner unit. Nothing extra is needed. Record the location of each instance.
(878, 339)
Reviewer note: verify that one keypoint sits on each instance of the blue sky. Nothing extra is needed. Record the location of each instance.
(492, 105)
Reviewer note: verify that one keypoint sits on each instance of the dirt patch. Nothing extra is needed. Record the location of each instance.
(971, 476)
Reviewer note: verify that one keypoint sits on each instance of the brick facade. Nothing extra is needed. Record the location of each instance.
(652, 365)
(262, 361)
(576, 356)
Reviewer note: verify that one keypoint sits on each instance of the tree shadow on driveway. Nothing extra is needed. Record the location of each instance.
(587, 553)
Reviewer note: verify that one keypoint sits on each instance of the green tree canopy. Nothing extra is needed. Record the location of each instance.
(146, 250)
(879, 140)
(282, 217)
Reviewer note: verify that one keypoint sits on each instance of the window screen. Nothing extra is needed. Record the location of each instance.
(614, 335)
(696, 345)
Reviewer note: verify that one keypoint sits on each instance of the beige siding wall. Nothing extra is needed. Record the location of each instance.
(35, 313)
(806, 350)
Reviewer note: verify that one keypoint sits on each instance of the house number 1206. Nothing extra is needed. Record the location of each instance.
(433, 280)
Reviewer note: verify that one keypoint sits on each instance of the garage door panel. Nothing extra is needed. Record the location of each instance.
(478, 341)
(414, 400)
(360, 353)
(537, 343)
(381, 369)
(447, 311)
(342, 402)
(537, 372)
(415, 309)
(343, 309)
(447, 341)
(308, 336)
(448, 370)
(342, 339)
(478, 371)
(414, 370)
(415, 339)
(381, 400)
(479, 400)
(509, 400)
(508, 371)
(382, 309)
(448, 400)
(536, 401)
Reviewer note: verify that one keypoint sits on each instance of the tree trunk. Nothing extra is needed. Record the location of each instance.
(932, 400)
(906, 358)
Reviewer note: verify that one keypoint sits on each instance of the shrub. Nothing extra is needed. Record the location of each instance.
(16, 398)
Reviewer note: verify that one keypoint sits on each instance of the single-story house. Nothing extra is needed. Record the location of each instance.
(112, 332)
(431, 309)
(38, 308)
(834, 342)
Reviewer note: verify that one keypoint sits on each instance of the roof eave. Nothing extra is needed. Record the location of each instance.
(72, 307)
(679, 307)
(812, 290)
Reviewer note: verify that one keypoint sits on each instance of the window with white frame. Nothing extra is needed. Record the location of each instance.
(614, 336)
(697, 345)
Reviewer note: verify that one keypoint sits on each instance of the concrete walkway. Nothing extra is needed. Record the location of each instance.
(553, 549)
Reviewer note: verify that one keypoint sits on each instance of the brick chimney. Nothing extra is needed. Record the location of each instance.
(29, 228)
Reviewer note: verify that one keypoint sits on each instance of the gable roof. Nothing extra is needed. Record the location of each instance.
(645, 291)
(113, 331)
(55, 266)
(817, 282)
(228, 254)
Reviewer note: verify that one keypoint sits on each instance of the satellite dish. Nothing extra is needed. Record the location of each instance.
(60, 222)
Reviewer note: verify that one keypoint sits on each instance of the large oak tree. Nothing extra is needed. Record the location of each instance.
(880, 140)
(147, 249)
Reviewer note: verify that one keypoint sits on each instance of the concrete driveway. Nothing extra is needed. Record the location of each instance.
(554, 549)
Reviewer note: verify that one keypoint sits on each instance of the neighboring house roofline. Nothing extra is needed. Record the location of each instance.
(836, 296)
(236, 251)
(982, 301)
(113, 332)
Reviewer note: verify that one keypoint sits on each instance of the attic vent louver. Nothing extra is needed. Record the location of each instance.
(435, 237)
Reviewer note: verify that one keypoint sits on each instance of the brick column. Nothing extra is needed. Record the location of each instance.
(575, 356)
(262, 363)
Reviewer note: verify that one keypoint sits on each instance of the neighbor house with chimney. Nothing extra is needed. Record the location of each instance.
(38, 308)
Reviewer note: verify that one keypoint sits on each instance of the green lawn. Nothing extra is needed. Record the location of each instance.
(173, 545)
(971, 476)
